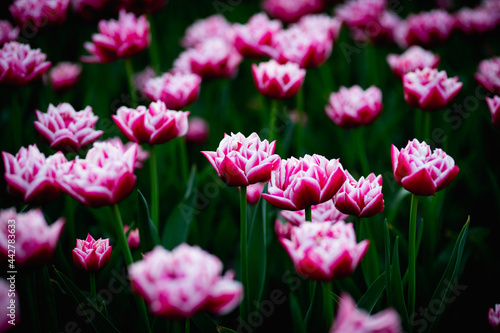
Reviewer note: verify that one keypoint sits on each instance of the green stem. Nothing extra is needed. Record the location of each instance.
(93, 293)
(300, 129)
(328, 303)
(184, 159)
(130, 72)
(155, 209)
(427, 125)
(50, 298)
(272, 119)
(362, 151)
(412, 254)
(418, 122)
(308, 213)
(245, 306)
(187, 329)
(16, 116)
(153, 48)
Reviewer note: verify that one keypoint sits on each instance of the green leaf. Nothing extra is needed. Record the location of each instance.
(369, 264)
(204, 323)
(297, 322)
(387, 255)
(221, 329)
(98, 321)
(147, 230)
(177, 226)
(372, 295)
(397, 287)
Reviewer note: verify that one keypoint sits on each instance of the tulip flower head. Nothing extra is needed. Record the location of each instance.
(202, 29)
(64, 76)
(253, 193)
(153, 125)
(488, 74)
(323, 251)
(300, 183)
(291, 11)
(362, 198)
(66, 129)
(476, 21)
(91, 255)
(32, 176)
(142, 154)
(7, 32)
(140, 79)
(242, 161)
(356, 13)
(421, 171)
(38, 14)
(133, 239)
(254, 39)
(429, 90)
(428, 29)
(182, 282)
(198, 130)
(415, 57)
(494, 317)
(351, 319)
(35, 239)
(320, 23)
(494, 106)
(279, 81)
(176, 90)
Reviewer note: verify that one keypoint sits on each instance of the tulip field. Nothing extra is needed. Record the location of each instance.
(249, 166)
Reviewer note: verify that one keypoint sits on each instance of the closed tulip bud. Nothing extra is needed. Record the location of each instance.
(91, 255)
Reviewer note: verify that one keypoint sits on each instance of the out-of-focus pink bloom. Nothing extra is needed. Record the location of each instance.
(176, 90)
(380, 31)
(255, 39)
(141, 6)
(66, 129)
(356, 13)
(39, 13)
(242, 161)
(6, 298)
(429, 90)
(212, 58)
(64, 76)
(350, 319)
(7, 32)
(35, 240)
(183, 282)
(415, 57)
(154, 124)
(133, 240)
(298, 118)
(291, 11)
(362, 198)
(303, 47)
(19, 64)
(91, 255)
(142, 154)
(488, 74)
(198, 130)
(494, 317)
(279, 81)
(32, 176)
(89, 9)
(140, 79)
(428, 29)
(116, 39)
(476, 21)
(321, 23)
(283, 229)
(105, 177)
(324, 212)
(253, 193)
(353, 107)
(421, 171)
(323, 251)
(215, 26)
(494, 106)
(303, 182)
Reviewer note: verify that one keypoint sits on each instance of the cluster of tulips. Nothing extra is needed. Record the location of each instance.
(320, 210)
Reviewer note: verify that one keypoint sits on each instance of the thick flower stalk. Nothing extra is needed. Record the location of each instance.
(170, 282)
(362, 198)
(103, 178)
(351, 319)
(118, 39)
(20, 65)
(291, 11)
(35, 240)
(64, 76)
(153, 125)
(354, 107)
(66, 129)
(323, 251)
(494, 106)
(415, 57)
(278, 81)
(255, 38)
(242, 161)
(38, 14)
(32, 176)
(176, 90)
(300, 183)
(421, 171)
(209, 27)
(488, 74)
(429, 89)
(91, 255)
(494, 317)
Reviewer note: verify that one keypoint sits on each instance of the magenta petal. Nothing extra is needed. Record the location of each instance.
(231, 174)
(280, 202)
(419, 183)
(306, 193)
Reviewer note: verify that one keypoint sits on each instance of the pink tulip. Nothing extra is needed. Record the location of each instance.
(7, 298)
(185, 281)
(476, 21)
(421, 171)
(140, 79)
(494, 106)
(428, 29)
(133, 240)
(89, 9)
(20, 65)
(254, 39)
(176, 90)
(91, 255)
(32, 176)
(351, 319)
(66, 129)
(279, 81)
(35, 241)
(412, 59)
(142, 154)
(253, 193)
(291, 11)
(213, 26)
(153, 125)
(380, 31)
(361, 198)
(323, 251)
(198, 130)
(64, 76)
(494, 317)
(213, 58)
(429, 90)
(488, 74)
(353, 107)
(37, 14)
(105, 177)
(356, 13)
(321, 23)
(7, 32)
(300, 183)
(117, 39)
(241, 161)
